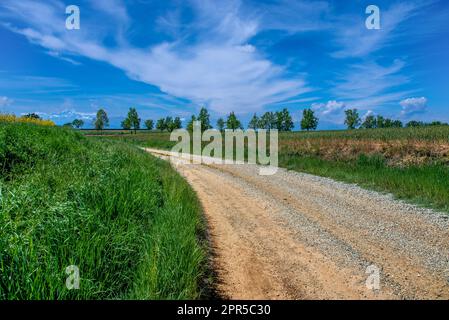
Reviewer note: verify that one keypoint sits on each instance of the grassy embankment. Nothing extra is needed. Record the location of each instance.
(411, 163)
(126, 219)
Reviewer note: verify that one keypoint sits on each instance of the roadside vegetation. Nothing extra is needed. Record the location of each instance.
(411, 161)
(124, 218)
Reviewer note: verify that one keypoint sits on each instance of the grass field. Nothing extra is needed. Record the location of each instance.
(128, 221)
(411, 163)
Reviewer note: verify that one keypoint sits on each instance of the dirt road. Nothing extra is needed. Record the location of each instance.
(298, 236)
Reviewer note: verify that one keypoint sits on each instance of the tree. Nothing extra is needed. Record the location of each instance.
(160, 125)
(68, 125)
(397, 124)
(380, 122)
(437, 124)
(388, 123)
(284, 121)
(169, 124)
(369, 123)
(102, 120)
(232, 123)
(149, 124)
(177, 123)
(309, 121)
(268, 121)
(190, 124)
(204, 118)
(254, 123)
(126, 124)
(352, 119)
(220, 124)
(32, 116)
(78, 123)
(134, 119)
(414, 124)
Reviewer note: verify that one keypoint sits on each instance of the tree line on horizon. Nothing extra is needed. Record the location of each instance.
(279, 120)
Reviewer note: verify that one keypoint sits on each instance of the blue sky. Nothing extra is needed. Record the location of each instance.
(172, 57)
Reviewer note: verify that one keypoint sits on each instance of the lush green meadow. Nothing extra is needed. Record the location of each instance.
(127, 220)
(411, 163)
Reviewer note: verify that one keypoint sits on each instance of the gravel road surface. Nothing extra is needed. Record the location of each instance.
(298, 236)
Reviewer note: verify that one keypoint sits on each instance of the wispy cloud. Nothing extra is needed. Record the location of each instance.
(355, 40)
(218, 70)
(228, 55)
(35, 84)
(295, 15)
(370, 84)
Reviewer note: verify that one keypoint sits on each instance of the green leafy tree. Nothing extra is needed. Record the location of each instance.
(177, 123)
(232, 123)
(126, 124)
(160, 125)
(284, 121)
(190, 123)
(415, 124)
(352, 120)
(149, 124)
(32, 116)
(204, 118)
(380, 122)
(169, 124)
(369, 123)
(78, 123)
(220, 124)
(101, 120)
(388, 123)
(134, 119)
(254, 122)
(437, 124)
(268, 121)
(309, 121)
(397, 124)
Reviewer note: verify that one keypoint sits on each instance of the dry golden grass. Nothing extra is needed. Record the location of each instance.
(396, 152)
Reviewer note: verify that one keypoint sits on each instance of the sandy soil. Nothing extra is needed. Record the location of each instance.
(298, 236)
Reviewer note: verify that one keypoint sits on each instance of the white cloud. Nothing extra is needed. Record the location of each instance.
(5, 101)
(66, 115)
(330, 108)
(332, 111)
(412, 106)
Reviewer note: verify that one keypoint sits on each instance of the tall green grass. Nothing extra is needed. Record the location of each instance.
(126, 219)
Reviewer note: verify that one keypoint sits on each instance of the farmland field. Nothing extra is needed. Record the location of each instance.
(411, 163)
(129, 222)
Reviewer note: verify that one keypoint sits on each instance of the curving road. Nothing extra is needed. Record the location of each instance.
(298, 236)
